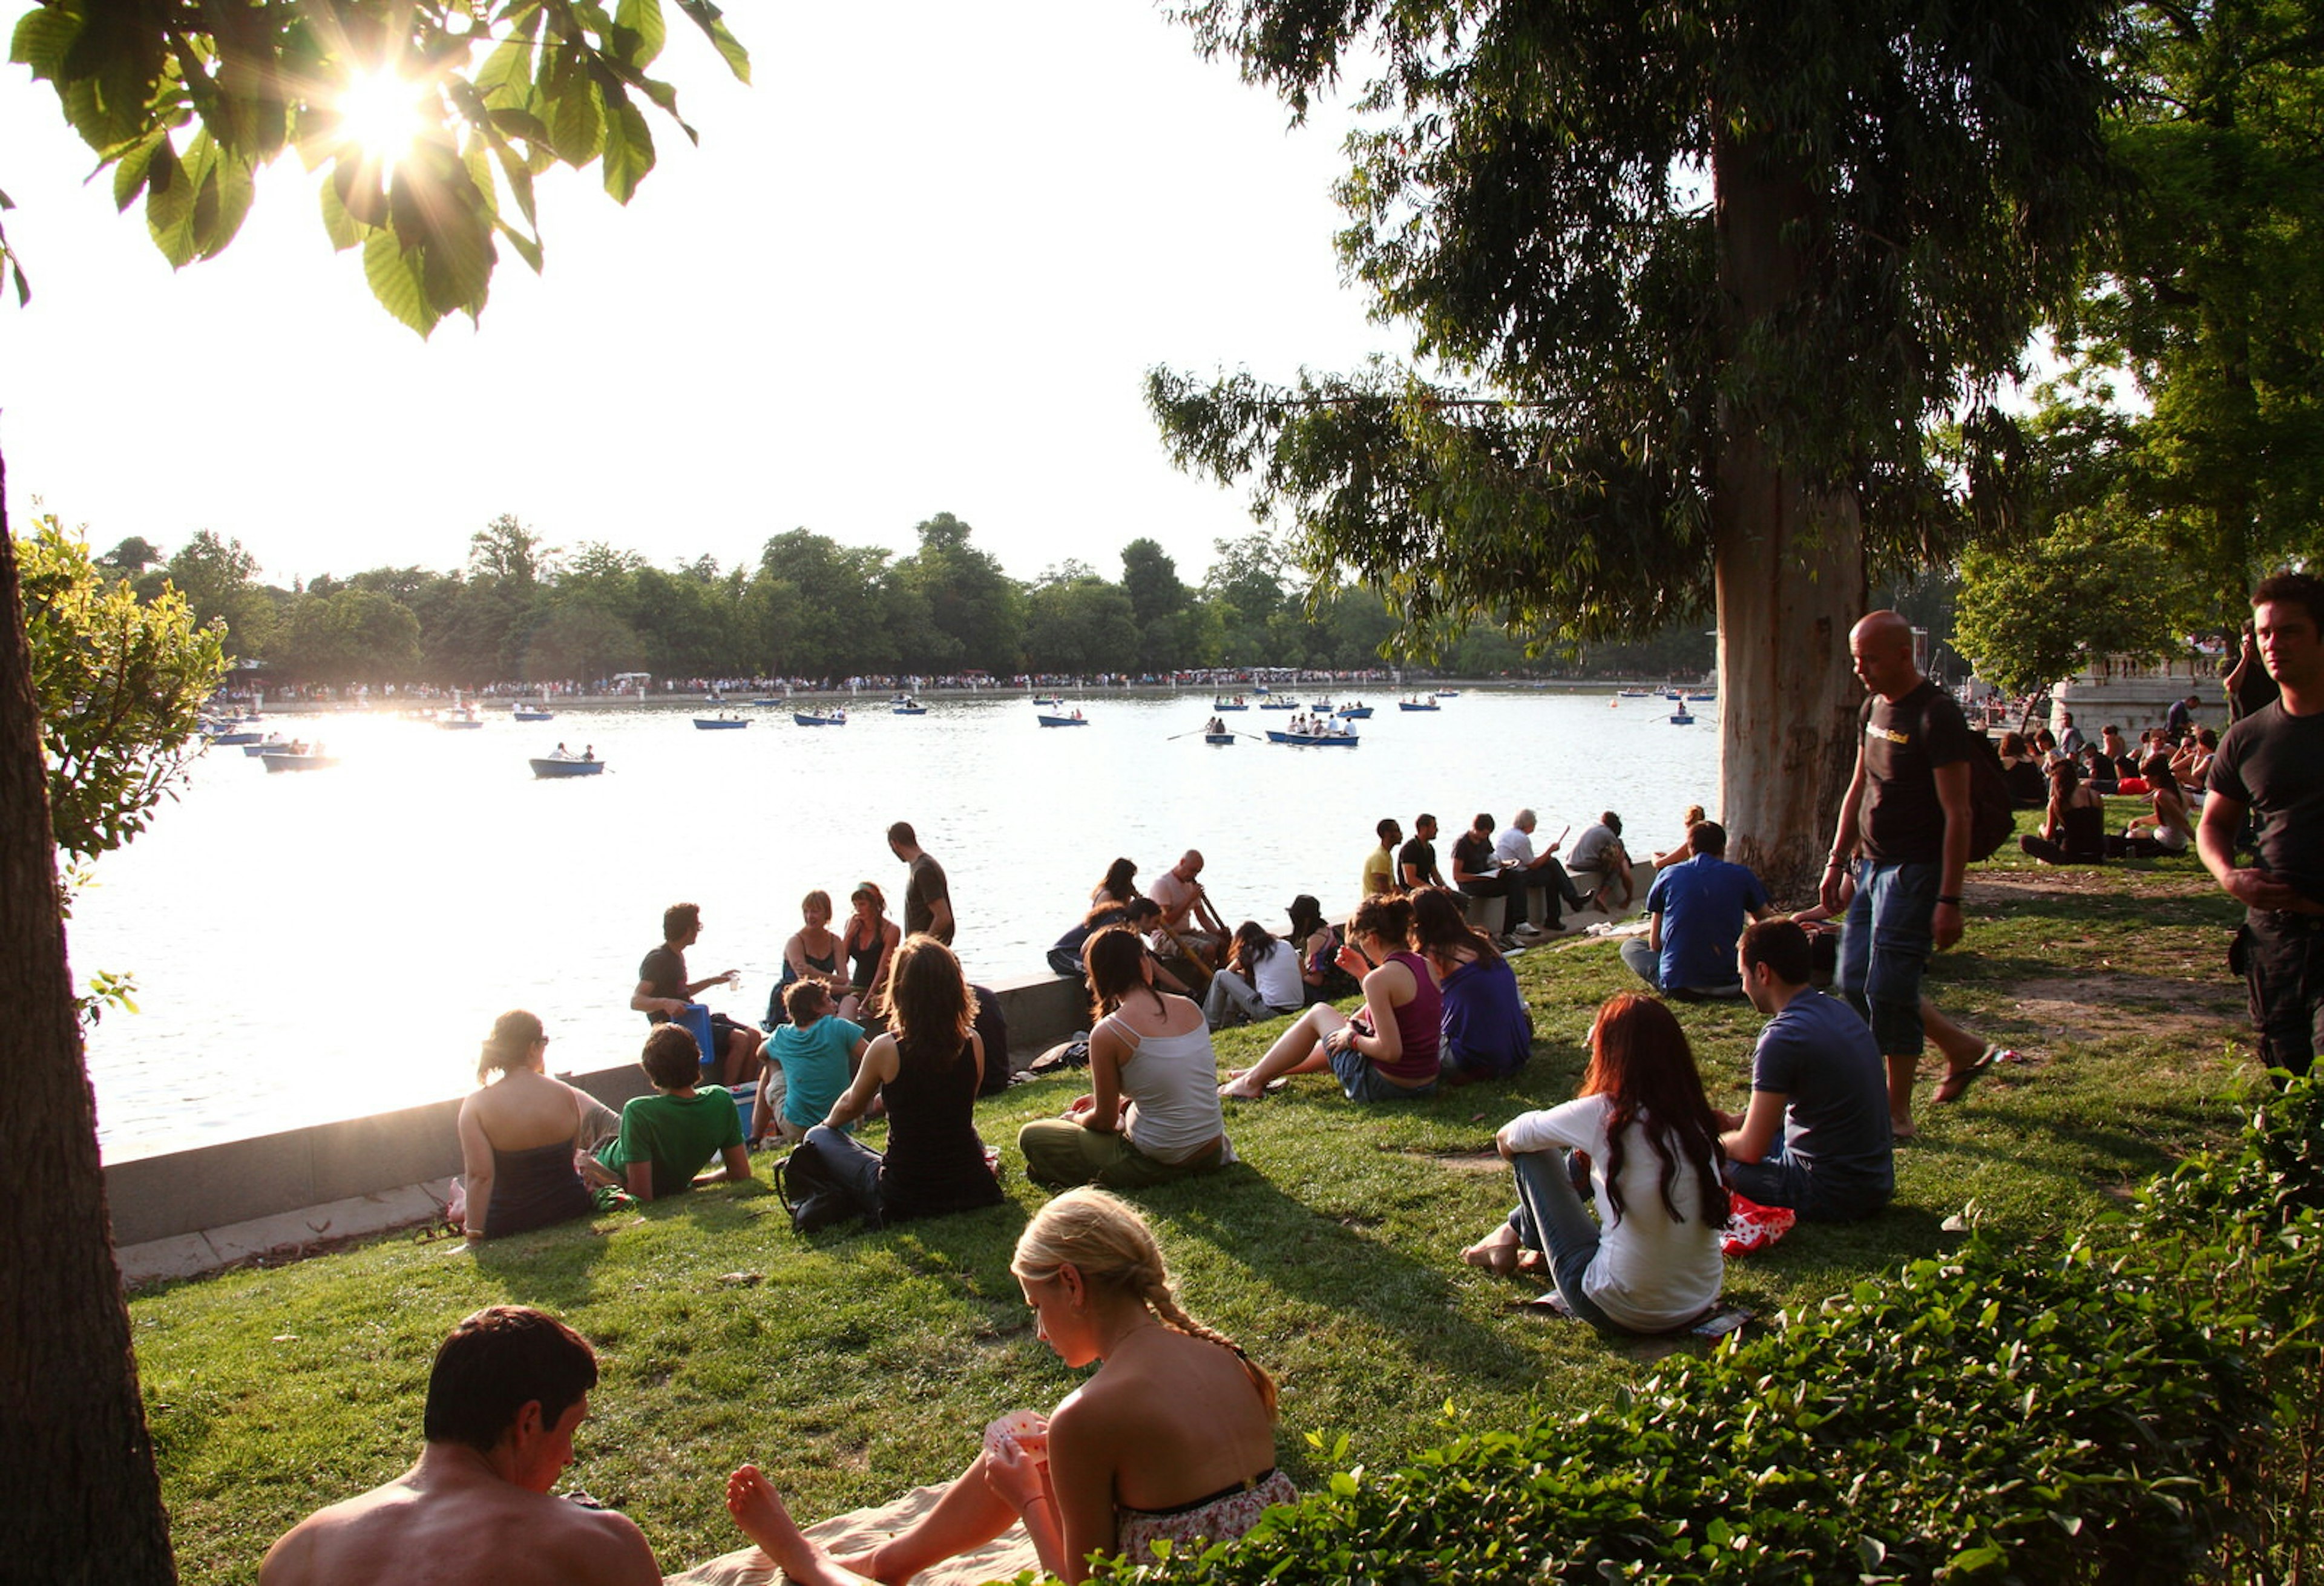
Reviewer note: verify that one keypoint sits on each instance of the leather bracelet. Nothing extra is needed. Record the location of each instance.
(1955, 901)
(1832, 864)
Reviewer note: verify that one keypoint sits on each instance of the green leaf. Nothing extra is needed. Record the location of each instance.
(394, 278)
(576, 121)
(219, 212)
(629, 152)
(42, 36)
(170, 188)
(525, 248)
(730, 49)
(342, 229)
(641, 19)
(129, 170)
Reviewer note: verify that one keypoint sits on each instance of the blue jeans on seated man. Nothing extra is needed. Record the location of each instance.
(1777, 1179)
(1551, 1218)
(1647, 963)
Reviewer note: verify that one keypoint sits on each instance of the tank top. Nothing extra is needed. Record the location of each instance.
(2085, 833)
(934, 1161)
(533, 1188)
(1172, 1085)
(1419, 1024)
(863, 962)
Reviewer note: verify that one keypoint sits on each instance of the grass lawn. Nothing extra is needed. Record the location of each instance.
(853, 1365)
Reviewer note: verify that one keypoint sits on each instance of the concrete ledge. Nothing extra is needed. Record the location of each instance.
(268, 1192)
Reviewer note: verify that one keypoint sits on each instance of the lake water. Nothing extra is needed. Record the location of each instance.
(338, 943)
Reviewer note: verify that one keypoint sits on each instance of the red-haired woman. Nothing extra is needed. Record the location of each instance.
(1649, 1262)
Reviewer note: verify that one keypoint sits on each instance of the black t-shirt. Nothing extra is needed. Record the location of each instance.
(1902, 821)
(1474, 854)
(924, 889)
(662, 973)
(2273, 762)
(1419, 857)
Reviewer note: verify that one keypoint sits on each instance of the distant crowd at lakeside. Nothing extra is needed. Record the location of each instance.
(630, 684)
(1625, 1194)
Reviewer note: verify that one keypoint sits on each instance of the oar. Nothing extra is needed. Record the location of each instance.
(1174, 737)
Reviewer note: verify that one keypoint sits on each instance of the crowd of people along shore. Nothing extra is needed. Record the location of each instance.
(1621, 1193)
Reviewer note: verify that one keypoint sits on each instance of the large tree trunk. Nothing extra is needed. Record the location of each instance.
(1789, 565)
(83, 1502)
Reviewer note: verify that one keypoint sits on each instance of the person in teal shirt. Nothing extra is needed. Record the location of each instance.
(817, 1051)
(668, 1137)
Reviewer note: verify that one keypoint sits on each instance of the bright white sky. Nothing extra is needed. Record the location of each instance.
(917, 267)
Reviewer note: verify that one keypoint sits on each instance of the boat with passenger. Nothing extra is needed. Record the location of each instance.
(725, 721)
(821, 718)
(564, 762)
(904, 705)
(1052, 719)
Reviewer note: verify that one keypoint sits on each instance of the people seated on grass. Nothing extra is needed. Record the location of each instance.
(870, 942)
(1260, 980)
(1477, 871)
(1695, 911)
(507, 1391)
(812, 953)
(1600, 866)
(525, 1138)
(925, 1068)
(668, 1137)
(1152, 1111)
(1484, 1031)
(2171, 829)
(1685, 849)
(814, 1056)
(1321, 978)
(1816, 1136)
(1644, 1138)
(1172, 1439)
(2097, 772)
(2116, 752)
(1388, 1051)
(2073, 828)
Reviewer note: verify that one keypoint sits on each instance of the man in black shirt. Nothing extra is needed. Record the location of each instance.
(1415, 863)
(2271, 766)
(1904, 826)
(928, 896)
(664, 993)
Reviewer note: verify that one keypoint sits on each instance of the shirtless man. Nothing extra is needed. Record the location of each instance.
(508, 1389)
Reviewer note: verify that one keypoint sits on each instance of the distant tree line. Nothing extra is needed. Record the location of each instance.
(524, 610)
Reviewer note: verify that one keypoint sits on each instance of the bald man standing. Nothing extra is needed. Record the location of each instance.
(1905, 828)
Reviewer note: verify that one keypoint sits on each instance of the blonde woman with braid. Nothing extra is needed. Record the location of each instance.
(1173, 1437)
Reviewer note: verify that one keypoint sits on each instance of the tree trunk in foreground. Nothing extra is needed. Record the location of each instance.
(82, 1502)
(1789, 566)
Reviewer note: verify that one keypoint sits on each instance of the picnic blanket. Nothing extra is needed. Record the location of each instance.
(858, 1531)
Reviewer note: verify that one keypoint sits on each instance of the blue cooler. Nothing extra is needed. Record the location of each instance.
(695, 1021)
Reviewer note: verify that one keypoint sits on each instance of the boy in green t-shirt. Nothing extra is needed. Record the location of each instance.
(669, 1138)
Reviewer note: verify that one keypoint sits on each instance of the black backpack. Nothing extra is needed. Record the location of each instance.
(1992, 812)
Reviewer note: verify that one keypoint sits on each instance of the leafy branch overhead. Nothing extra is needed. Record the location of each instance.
(185, 101)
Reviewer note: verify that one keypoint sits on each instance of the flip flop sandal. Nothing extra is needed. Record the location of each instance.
(1956, 1084)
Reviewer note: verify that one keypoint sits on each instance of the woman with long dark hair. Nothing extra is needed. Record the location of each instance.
(2170, 831)
(1485, 1032)
(1649, 1261)
(1387, 1050)
(870, 944)
(926, 1068)
(2073, 829)
(1152, 1111)
(1261, 979)
(1118, 885)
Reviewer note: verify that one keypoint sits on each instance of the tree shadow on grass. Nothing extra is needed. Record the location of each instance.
(554, 1268)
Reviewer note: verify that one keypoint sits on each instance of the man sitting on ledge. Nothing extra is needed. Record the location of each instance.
(1816, 1138)
(1697, 909)
(508, 1389)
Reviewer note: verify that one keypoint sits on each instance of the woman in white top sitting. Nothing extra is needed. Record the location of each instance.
(1152, 1113)
(1261, 979)
(1641, 1129)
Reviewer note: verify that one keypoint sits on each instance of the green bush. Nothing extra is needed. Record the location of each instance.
(2140, 1405)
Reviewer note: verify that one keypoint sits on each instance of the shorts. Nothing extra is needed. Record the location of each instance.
(1362, 1081)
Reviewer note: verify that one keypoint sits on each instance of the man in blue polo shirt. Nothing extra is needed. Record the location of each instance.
(1695, 911)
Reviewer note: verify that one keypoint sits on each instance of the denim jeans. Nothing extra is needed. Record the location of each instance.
(1230, 995)
(1644, 961)
(1884, 947)
(1777, 1179)
(1551, 1218)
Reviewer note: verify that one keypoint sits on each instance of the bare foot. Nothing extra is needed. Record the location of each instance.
(1235, 1091)
(1497, 1252)
(758, 1509)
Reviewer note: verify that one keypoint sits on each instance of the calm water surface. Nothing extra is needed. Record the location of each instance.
(328, 945)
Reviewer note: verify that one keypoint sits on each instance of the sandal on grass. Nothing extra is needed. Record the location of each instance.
(1957, 1081)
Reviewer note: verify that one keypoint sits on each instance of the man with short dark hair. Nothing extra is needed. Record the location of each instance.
(927, 899)
(1379, 864)
(1696, 909)
(1904, 826)
(1416, 862)
(2179, 719)
(1815, 1137)
(1478, 873)
(2271, 766)
(508, 1390)
(664, 993)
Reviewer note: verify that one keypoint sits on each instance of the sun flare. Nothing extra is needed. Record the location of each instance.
(379, 112)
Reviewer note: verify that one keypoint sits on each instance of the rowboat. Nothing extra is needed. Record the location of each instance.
(1054, 701)
(527, 713)
(1047, 720)
(1279, 704)
(1313, 740)
(720, 723)
(838, 718)
(1448, 693)
(240, 735)
(1234, 704)
(458, 719)
(1221, 738)
(1681, 717)
(770, 703)
(1411, 705)
(299, 762)
(904, 705)
(552, 765)
(1354, 713)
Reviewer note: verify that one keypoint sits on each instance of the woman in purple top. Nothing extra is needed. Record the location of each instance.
(1388, 1051)
(1487, 1032)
